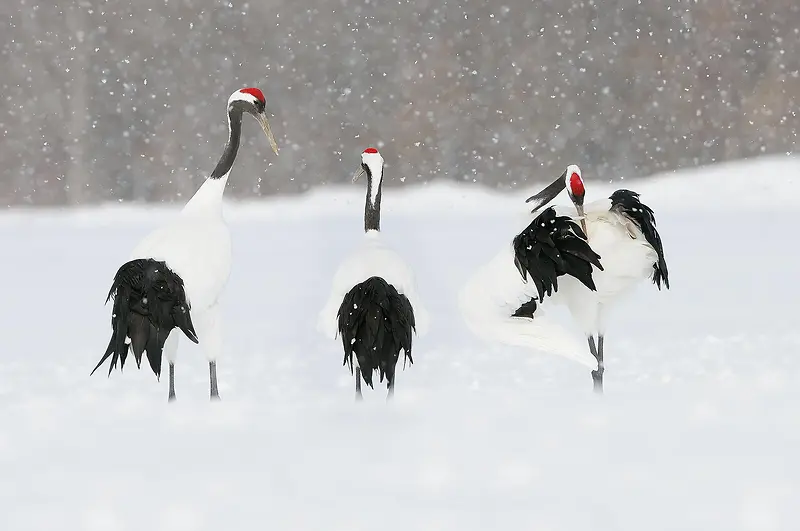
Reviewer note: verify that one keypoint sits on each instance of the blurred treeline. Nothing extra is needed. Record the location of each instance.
(125, 100)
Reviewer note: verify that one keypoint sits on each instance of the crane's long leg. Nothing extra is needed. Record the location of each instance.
(390, 379)
(359, 396)
(212, 375)
(600, 363)
(597, 375)
(171, 396)
(170, 351)
(209, 333)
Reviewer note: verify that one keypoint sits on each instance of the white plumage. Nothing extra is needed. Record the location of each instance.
(373, 305)
(196, 246)
(627, 260)
(489, 299)
(372, 258)
(620, 229)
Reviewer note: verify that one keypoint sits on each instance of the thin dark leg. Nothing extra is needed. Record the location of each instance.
(359, 396)
(390, 394)
(597, 375)
(600, 363)
(171, 382)
(212, 371)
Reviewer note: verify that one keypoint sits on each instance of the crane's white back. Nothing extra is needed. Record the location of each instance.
(372, 258)
(196, 247)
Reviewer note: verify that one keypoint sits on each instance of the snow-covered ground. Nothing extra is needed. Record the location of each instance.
(699, 428)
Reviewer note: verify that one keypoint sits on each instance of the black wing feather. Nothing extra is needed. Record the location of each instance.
(628, 204)
(552, 246)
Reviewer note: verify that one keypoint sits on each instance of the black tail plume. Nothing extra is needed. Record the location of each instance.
(149, 302)
(376, 322)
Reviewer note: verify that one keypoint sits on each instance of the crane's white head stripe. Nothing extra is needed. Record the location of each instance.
(374, 161)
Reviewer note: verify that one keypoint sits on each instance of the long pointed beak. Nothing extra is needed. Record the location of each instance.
(582, 215)
(359, 173)
(548, 194)
(262, 120)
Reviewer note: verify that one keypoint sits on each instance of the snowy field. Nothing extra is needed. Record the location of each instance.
(699, 428)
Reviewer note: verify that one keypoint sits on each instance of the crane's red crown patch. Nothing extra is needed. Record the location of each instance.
(256, 93)
(576, 184)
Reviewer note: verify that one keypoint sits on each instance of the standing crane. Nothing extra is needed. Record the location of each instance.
(373, 303)
(587, 260)
(176, 275)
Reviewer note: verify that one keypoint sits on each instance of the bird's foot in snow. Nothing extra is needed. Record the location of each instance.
(597, 378)
(597, 351)
(359, 396)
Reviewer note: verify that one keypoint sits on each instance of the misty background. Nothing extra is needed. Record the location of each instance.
(125, 100)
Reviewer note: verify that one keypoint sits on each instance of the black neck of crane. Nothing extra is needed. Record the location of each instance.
(232, 146)
(372, 212)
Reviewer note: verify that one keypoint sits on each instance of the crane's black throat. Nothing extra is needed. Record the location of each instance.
(372, 209)
(225, 163)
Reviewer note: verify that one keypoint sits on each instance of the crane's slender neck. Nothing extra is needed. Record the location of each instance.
(372, 208)
(232, 146)
(208, 197)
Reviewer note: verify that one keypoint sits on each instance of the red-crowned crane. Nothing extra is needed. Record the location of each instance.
(373, 304)
(177, 273)
(586, 259)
